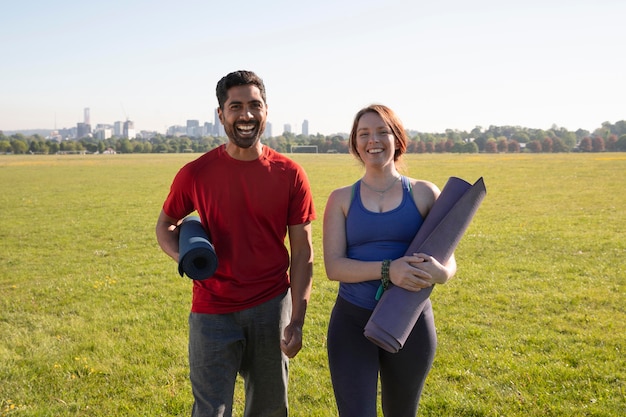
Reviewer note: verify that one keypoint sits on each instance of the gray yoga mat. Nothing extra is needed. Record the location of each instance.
(197, 256)
(398, 310)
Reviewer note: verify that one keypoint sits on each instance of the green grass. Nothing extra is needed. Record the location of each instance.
(93, 316)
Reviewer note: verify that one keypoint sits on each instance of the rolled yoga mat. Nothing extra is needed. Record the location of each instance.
(398, 310)
(197, 256)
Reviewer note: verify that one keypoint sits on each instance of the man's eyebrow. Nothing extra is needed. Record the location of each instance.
(249, 102)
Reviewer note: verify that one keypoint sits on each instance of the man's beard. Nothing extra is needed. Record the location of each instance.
(244, 141)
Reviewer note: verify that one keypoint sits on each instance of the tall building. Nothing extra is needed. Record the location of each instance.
(305, 128)
(118, 129)
(286, 128)
(218, 128)
(82, 130)
(193, 128)
(208, 129)
(129, 129)
(268, 130)
(103, 133)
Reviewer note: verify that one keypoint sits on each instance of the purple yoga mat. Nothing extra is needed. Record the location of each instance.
(398, 310)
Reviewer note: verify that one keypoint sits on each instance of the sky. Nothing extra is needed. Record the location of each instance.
(446, 64)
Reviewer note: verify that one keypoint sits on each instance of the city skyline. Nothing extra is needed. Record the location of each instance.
(440, 65)
(126, 129)
(292, 127)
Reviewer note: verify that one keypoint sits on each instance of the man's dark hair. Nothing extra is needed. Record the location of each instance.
(235, 79)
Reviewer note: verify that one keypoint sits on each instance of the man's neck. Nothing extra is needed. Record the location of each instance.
(244, 154)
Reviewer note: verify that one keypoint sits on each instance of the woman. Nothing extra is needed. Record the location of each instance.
(368, 227)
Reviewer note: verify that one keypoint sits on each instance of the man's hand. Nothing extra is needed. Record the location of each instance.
(292, 343)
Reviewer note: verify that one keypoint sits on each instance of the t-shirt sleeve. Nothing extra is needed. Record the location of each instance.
(301, 208)
(179, 202)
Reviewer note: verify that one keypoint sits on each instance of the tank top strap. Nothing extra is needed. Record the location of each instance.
(355, 188)
(406, 184)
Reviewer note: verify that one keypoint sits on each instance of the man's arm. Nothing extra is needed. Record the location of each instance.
(167, 235)
(301, 275)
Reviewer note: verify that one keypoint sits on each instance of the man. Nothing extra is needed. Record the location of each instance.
(247, 318)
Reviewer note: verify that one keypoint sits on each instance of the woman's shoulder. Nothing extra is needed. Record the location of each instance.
(425, 187)
(341, 197)
(342, 193)
(424, 193)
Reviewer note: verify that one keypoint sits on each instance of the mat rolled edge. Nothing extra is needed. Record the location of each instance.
(197, 257)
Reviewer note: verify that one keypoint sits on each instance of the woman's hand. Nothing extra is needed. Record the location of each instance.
(409, 273)
(419, 271)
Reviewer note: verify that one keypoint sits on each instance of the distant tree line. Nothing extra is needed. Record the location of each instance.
(495, 139)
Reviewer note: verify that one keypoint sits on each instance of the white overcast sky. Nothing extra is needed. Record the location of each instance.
(440, 64)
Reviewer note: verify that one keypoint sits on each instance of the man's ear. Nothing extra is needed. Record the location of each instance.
(220, 115)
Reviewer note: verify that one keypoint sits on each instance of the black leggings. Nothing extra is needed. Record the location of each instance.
(355, 362)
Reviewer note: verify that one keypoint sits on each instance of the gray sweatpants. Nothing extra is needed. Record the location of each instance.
(245, 342)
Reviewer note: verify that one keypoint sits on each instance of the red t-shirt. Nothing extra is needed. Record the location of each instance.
(246, 207)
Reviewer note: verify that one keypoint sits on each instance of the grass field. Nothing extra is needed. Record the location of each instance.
(93, 316)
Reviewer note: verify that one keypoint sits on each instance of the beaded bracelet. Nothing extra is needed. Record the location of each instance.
(384, 280)
(384, 272)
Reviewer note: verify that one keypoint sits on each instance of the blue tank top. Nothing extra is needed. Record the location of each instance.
(375, 236)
